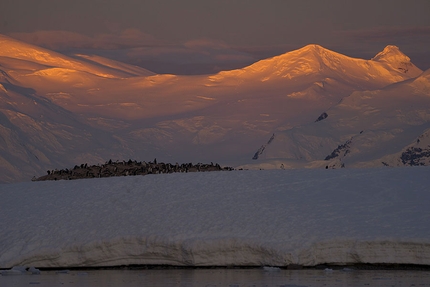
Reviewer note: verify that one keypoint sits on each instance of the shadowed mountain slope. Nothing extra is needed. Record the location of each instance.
(370, 128)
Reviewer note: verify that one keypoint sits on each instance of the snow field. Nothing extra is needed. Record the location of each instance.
(241, 218)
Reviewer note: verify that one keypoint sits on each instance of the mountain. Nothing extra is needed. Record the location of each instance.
(19, 55)
(386, 67)
(385, 127)
(35, 133)
(111, 110)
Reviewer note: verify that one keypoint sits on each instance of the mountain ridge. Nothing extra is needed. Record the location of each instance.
(391, 53)
(19, 50)
(365, 124)
(325, 67)
(222, 117)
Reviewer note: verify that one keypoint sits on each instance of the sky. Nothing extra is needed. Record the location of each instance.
(199, 36)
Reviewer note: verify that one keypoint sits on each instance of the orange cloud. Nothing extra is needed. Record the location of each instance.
(57, 40)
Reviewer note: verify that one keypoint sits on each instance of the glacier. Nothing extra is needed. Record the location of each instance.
(238, 218)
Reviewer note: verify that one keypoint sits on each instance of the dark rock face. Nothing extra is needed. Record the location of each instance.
(259, 152)
(340, 148)
(126, 168)
(414, 156)
(263, 147)
(321, 117)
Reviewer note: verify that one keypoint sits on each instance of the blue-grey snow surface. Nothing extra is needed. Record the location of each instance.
(242, 218)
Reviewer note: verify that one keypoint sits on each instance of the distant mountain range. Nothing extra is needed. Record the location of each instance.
(307, 108)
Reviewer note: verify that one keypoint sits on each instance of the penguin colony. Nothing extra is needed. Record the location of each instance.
(126, 168)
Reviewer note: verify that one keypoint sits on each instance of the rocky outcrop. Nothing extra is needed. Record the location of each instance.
(322, 117)
(263, 147)
(415, 156)
(342, 149)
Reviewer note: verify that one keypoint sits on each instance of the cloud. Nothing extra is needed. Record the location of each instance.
(128, 38)
(262, 52)
(54, 39)
(218, 51)
(60, 40)
(414, 41)
(193, 57)
(416, 34)
(205, 43)
(183, 55)
(236, 57)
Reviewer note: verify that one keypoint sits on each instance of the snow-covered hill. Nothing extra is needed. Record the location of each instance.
(35, 133)
(28, 54)
(238, 218)
(127, 111)
(370, 128)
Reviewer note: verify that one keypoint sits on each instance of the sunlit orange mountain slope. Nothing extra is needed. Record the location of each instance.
(114, 110)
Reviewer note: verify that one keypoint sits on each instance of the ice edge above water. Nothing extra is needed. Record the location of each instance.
(230, 252)
(249, 218)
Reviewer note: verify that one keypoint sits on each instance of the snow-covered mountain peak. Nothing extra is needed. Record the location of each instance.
(310, 59)
(394, 58)
(315, 61)
(311, 52)
(317, 50)
(30, 55)
(16, 49)
(312, 48)
(393, 55)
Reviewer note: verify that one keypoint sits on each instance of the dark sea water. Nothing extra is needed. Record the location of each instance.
(220, 277)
